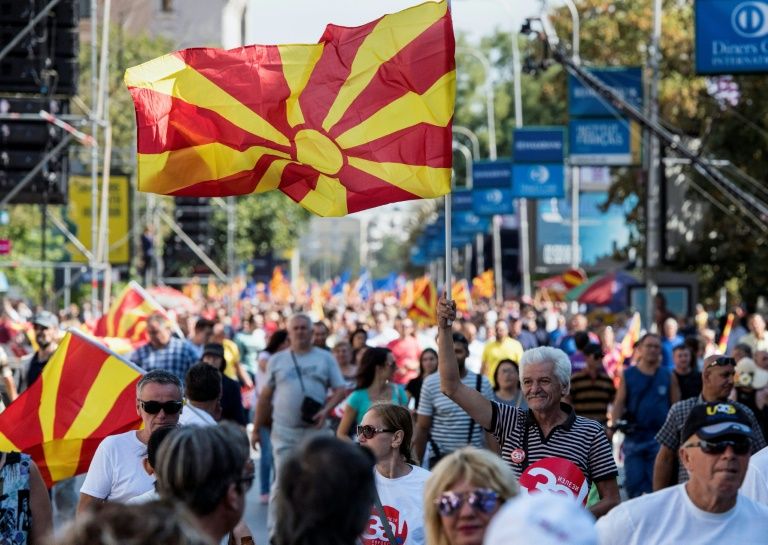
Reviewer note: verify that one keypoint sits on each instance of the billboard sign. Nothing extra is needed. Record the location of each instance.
(489, 202)
(731, 36)
(538, 145)
(627, 82)
(492, 174)
(461, 200)
(538, 181)
(601, 142)
(470, 223)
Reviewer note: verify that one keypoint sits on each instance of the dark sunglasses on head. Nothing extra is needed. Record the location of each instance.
(740, 447)
(369, 431)
(480, 499)
(154, 407)
(722, 361)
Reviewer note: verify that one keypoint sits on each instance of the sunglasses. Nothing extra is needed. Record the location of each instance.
(154, 407)
(480, 499)
(369, 432)
(739, 447)
(722, 361)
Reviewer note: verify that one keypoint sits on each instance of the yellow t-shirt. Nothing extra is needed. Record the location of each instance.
(231, 357)
(495, 351)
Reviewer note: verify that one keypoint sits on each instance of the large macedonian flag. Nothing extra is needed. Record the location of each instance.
(361, 119)
(84, 394)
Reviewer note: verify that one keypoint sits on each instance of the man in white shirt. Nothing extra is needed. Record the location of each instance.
(715, 452)
(756, 482)
(117, 471)
(202, 388)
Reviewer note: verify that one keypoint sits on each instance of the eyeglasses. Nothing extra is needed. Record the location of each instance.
(722, 361)
(480, 499)
(369, 432)
(154, 407)
(740, 447)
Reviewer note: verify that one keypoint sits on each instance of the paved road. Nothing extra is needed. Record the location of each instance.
(255, 513)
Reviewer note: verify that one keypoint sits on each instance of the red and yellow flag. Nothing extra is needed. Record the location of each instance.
(630, 337)
(84, 394)
(723, 344)
(483, 285)
(361, 119)
(460, 294)
(279, 287)
(423, 308)
(127, 316)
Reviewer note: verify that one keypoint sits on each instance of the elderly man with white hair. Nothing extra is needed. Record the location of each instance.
(548, 447)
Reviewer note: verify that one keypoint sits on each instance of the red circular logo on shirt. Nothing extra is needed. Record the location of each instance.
(517, 456)
(375, 534)
(558, 476)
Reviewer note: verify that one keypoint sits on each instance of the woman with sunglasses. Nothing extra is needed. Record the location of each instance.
(387, 430)
(463, 493)
(373, 386)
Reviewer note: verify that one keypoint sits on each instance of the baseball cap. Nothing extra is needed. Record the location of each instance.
(45, 319)
(214, 349)
(542, 518)
(714, 420)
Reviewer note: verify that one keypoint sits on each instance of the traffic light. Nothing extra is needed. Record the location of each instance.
(24, 143)
(193, 215)
(45, 60)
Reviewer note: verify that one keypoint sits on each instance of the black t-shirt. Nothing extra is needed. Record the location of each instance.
(36, 366)
(690, 384)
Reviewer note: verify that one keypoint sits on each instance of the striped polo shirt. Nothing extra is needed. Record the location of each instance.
(590, 397)
(579, 440)
(450, 423)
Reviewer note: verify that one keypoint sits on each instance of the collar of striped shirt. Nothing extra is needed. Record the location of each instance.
(530, 420)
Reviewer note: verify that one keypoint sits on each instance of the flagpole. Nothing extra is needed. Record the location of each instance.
(448, 221)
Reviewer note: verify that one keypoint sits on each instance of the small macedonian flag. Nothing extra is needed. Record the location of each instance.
(423, 309)
(84, 394)
(127, 316)
(483, 285)
(460, 294)
(361, 119)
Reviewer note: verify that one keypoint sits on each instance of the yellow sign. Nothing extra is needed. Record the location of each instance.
(79, 214)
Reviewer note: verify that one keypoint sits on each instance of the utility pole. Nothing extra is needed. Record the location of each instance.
(653, 193)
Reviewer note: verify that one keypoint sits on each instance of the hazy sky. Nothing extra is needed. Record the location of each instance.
(303, 21)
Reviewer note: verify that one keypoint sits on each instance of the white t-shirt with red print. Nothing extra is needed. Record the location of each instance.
(403, 502)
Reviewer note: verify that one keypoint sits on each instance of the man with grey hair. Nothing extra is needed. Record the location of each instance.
(296, 394)
(209, 470)
(548, 447)
(117, 472)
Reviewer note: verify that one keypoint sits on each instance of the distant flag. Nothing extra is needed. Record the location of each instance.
(279, 287)
(361, 119)
(340, 283)
(722, 346)
(388, 284)
(84, 394)
(483, 286)
(127, 316)
(212, 292)
(630, 338)
(317, 300)
(364, 286)
(406, 294)
(423, 308)
(460, 294)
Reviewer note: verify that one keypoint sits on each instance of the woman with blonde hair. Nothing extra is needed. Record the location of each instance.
(465, 490)
(387, 430)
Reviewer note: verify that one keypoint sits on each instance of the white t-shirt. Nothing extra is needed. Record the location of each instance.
(117, 472)
(755, 485)
(192, 416)
(403, 502)
(669, 517)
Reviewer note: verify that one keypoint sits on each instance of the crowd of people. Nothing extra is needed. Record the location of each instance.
(371, 427)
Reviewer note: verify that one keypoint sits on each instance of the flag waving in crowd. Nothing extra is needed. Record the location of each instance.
(361, 119)
(84, 394)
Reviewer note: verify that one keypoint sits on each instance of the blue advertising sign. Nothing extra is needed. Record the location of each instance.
(470, 223)
(583, 101)
(492, 174)
(538, 181)
(436, 247)
(461, 199)
(461, 239)
(600, 232)
(604, 142)
(538, 145)
(488, 202)
(731, 36)
(418, 256)
(433, 230)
